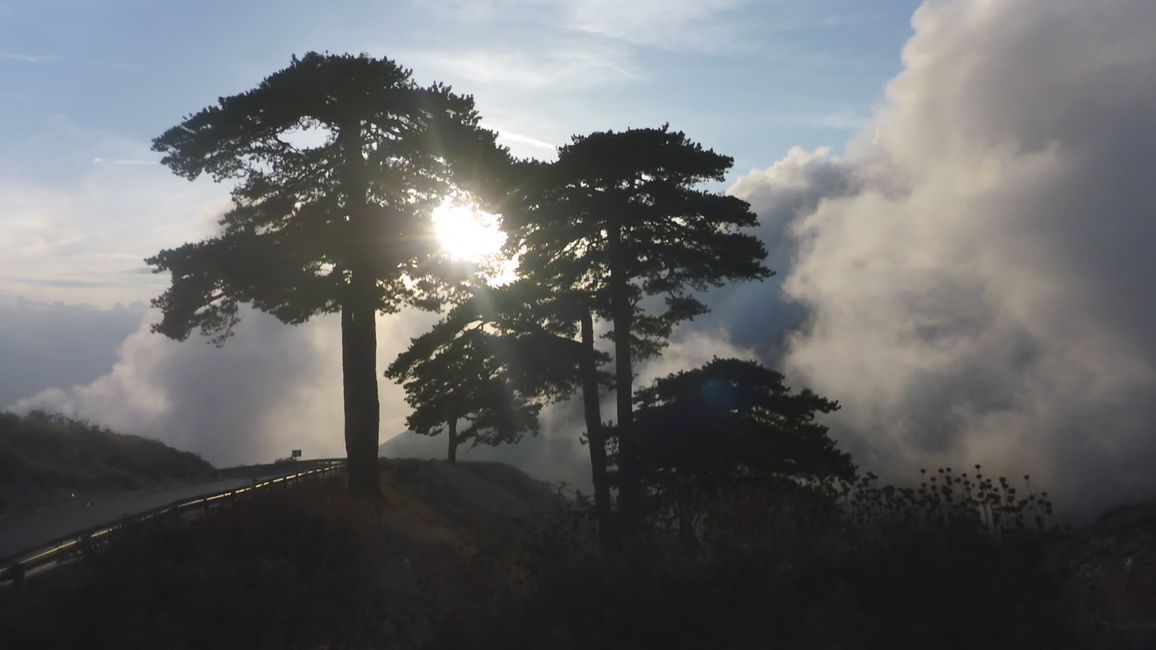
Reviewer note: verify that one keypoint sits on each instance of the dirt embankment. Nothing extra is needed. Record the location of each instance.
(48, 459)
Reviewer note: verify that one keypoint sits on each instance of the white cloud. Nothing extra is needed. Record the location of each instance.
(845, 119)
(83, 238)
(27, 58)
(691, 348)
(667, 24)
(576, 66)
(976, 273)
(270, 388)
(513, 139)
(52, 344)
(123, 161)
(685, 25)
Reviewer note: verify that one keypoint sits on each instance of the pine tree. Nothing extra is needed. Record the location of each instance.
(733, 418)
(732, 433)
(459, 371)
(341, 227)
(620, 217)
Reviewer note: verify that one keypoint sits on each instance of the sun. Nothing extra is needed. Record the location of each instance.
(467, 234)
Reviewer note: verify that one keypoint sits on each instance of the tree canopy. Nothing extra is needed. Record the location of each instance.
(307, 217)
(633, 199)
(733, 418)
(339, 225)
(621, 217)
(494, 361)
(465, 380)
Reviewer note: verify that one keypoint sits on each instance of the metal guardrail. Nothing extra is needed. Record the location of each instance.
(14, 568)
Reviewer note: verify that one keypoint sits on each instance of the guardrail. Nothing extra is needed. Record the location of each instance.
(14, 568)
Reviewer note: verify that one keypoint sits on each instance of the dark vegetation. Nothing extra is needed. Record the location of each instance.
(482, 556)
(46, 459)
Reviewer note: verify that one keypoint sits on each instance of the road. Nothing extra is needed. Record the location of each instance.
(21, 533)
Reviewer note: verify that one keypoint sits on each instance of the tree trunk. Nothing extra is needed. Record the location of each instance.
(359, 328)
(622, 311)
(362, 414)
(452, 431)
(595, 437)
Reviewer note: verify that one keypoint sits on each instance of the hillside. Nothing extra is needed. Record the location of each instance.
(481, 555)
(46, 459)
(558, 457)
(303, 567)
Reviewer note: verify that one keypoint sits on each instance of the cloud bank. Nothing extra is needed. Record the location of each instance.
(269, 389)
(43, 345)
(976, 273)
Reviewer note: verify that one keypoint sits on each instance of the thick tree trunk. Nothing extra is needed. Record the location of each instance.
(594, 434)
(358, 326)
(362, 411)
(622, 311)
(452, 432)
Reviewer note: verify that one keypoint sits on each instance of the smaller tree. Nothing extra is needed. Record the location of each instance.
(488, 362)
(732, 419)
(465, 380)
(732, 432)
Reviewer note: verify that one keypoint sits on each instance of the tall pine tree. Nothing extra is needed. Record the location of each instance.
(622, 217)
(340, 227)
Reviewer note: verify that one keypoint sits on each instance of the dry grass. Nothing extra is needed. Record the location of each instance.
(302, 567)
(49, 458)
(449, 559)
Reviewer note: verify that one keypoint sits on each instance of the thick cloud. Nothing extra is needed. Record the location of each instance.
(977, 273)
(755, 314)
(269, 389)
(43, 345)
(79, 233)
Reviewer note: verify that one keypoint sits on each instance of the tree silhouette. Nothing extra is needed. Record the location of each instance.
(620, 217)
(465, 380)
(561, 306)
(459, 371)
(494, 361)
(715, 440)
(521, 337)
(338, 227)
(733, 418)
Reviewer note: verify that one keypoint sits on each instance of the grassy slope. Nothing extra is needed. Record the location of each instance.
(300, 567)
(482, 556)
(47, 458)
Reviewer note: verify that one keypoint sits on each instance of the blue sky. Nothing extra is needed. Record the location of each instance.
(84, 87)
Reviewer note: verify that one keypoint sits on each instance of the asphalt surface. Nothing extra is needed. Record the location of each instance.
(26, 532)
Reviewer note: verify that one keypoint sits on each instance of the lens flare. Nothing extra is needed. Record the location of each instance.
(467, 234)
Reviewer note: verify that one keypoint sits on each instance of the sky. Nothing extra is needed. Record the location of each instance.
(85, 86)
(954, 193)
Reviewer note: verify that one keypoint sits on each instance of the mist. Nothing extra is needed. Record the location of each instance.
(975, 272)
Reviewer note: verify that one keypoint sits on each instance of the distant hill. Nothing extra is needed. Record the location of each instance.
(556, 458)
(46, 459)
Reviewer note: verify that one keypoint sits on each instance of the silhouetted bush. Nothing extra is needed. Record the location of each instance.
(786, 564)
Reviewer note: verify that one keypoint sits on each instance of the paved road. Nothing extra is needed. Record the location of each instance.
(25, 532)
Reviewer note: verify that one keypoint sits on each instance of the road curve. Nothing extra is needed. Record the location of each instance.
(21, 533)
